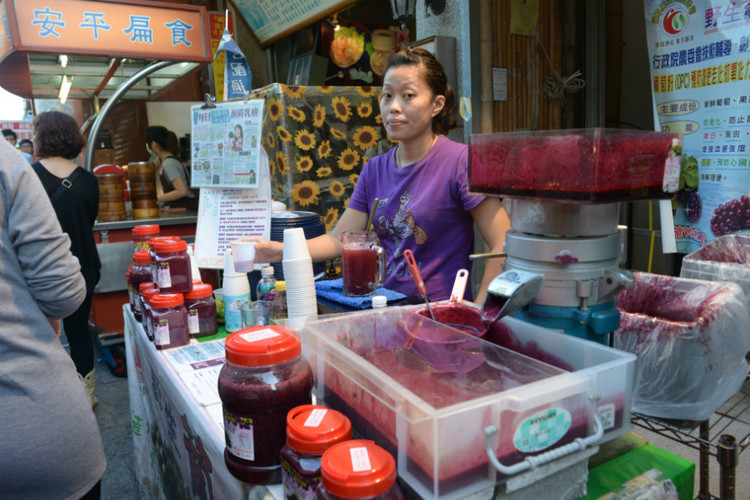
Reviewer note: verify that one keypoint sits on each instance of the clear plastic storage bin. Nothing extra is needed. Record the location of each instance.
(586, 165)
(429, 404)
(727, 258)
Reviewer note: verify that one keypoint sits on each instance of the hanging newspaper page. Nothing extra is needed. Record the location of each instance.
(226, 144)
(699, 54)
(226, 214)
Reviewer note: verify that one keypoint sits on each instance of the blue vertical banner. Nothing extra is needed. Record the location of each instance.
(237, 75)
(699, 56)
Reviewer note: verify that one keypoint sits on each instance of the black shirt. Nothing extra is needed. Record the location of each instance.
(76, 211)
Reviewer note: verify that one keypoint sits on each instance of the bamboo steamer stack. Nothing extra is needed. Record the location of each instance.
(143, 190)
(111, 198)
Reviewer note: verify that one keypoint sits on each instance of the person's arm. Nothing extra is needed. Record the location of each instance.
(492, 222)
(51, 272)
(322, 248)
(180, 191)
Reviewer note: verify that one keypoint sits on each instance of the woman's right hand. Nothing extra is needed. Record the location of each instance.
(266, 250)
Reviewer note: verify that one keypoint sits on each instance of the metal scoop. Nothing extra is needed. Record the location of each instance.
(509, 291)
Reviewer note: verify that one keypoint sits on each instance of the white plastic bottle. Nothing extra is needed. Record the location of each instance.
(236, 292)
(266, 283)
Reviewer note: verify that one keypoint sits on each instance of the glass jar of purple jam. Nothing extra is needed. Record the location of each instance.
(140, 272)
(141, 235)
(172, 261)
(169, 319)
(264, 377)
(310, 431)
(358, 469)
(152, 251)
(146, 291)
(201, 311)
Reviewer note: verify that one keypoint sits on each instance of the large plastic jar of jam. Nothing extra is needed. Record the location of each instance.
(141, 235)
(172, 261)
(310, 431)
(169, 319)
(146, 291)
(201, 311)
(152, 251)
(358, 469)
(140, 272)
(264, 377)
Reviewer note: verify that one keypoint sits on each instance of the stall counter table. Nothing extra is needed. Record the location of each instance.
(178, 437)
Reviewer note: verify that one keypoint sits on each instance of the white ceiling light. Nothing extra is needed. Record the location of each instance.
(63, 60)
(64, 89)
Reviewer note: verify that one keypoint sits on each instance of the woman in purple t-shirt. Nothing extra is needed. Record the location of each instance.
(421, 185)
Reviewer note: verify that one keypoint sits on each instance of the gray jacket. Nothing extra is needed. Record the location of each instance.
(50, 446)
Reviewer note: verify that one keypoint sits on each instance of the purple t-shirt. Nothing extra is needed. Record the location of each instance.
(424, 207)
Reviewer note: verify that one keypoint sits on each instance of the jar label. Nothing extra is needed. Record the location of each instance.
(193, 324)
(315, 417)
(238, 432)
(165, 279)
(360, 459)
(295, 485)
(161, 332)
(233, 311)
(137, 302)
(141, 245)
(541, 430)
(256, 336)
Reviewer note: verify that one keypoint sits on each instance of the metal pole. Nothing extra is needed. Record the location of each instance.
(727, 456)
(155, 66)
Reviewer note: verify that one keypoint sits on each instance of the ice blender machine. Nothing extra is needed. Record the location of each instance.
(562, 253)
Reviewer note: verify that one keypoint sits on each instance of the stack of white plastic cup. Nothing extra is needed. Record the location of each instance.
(298, 274)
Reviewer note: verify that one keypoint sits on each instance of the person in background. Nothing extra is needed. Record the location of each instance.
(421, 185)
(76, 204)
(12, 138)
(171, 171)
(26, 146)
(51, 446)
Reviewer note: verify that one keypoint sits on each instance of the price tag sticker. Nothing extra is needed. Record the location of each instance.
(360, 459)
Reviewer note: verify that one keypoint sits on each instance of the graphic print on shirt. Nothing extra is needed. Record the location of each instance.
(399, 228)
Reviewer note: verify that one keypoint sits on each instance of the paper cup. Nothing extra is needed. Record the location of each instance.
(243, 253)
(295, 244)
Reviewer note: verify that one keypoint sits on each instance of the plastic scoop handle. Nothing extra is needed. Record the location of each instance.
(414, 270)
(459, 287)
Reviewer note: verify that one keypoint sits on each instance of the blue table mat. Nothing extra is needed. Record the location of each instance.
(333, 290)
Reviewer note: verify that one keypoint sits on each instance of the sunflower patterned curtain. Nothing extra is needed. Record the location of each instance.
(317, 140)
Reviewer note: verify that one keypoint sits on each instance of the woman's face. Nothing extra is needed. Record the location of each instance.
(408, 104)
(238, 132)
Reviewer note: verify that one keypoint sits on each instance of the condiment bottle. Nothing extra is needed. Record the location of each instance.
(310, 431)
(266, 283)
(146, 291)
(236, 292)
(201, 311)
(264, 377)
(140, 272)
(173, 272)
(169, 318)
(279, 309)
(358, 469)
(141, 235)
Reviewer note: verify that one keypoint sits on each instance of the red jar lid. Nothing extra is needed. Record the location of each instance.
(199, 291)
(357, 469)
(314, 429)
(141, 257)
(148, 289)
(145, 229)
(164, 300)
(262, 345)
(167, 246)
(154, 239)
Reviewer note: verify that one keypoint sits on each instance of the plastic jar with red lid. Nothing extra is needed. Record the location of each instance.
(358, 469)
(264, 377)
(152, 252)
(173, 273)
(146, 291)
(169, 319)
(201, 310)
(141, 235)
(310, 431)
(140, 272)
